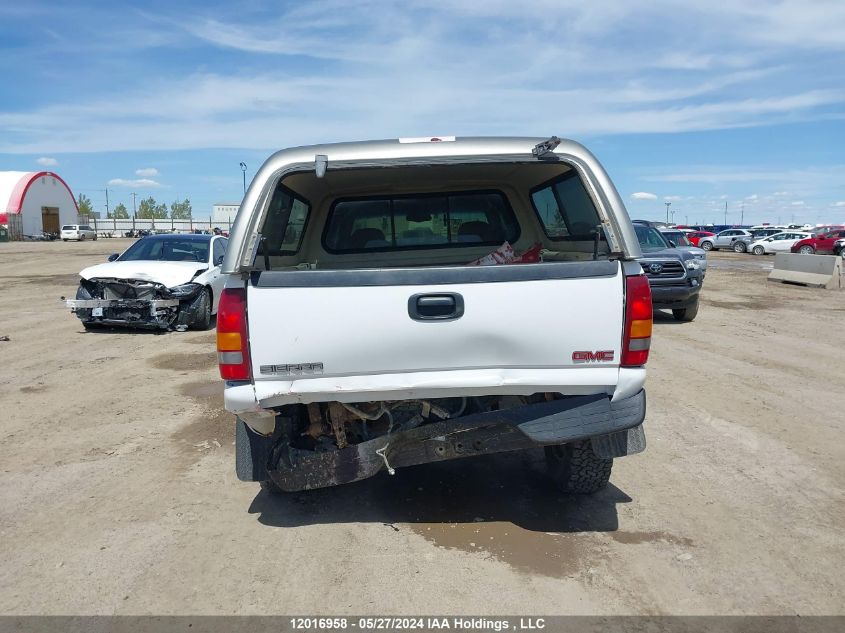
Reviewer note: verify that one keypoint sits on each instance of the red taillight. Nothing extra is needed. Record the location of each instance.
(638, 321)
(232, 345)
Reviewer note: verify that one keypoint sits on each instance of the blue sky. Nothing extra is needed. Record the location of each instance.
(696, 103)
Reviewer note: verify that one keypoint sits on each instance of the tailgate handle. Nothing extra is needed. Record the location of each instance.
(444, 306)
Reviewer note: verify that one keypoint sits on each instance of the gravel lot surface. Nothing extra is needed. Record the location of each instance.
(119, 495)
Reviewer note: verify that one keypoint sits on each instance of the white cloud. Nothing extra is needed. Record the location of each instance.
(389, 69)
(140, 183)
(643, 195)
(840, 203)
(46, 161)
(798, 203)
(273, 111)
(146, 172)
(672, 198)
(753, 196)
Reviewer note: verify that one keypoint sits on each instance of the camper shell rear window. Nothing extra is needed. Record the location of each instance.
(287, 219)
(565, 208)
(420, 221)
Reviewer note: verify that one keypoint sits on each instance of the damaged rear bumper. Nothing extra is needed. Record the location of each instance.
(614, 428)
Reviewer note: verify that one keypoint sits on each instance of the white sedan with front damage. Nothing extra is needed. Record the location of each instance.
(160, 282)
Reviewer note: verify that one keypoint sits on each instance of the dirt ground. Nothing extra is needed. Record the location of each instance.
(119, 495)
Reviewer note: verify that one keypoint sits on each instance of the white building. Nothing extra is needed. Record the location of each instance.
(32, 202)
(223, 213)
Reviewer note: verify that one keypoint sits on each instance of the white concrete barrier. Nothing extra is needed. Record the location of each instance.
(820, 271)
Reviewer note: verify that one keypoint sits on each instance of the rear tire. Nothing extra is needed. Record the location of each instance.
(740, 247)
(759, 250)
(686, 314)
(575, 468)
(64, 239)
(807, 250)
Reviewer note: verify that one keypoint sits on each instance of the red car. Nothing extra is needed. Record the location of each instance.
(819, 243)
(695, 236)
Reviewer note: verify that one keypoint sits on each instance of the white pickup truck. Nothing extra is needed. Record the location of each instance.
(392, 303)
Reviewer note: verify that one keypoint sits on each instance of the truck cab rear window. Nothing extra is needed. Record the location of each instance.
(565, 209)
(451, 220)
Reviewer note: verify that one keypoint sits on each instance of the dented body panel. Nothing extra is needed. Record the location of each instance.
(514, 336)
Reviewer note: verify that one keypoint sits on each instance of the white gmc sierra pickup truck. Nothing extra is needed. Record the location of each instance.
(399, 302)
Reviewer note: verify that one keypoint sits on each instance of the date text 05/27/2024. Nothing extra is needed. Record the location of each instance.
(417, 624)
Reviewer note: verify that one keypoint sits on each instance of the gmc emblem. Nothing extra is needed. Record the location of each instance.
(602, 356)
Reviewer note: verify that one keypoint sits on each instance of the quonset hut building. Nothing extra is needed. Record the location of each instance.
(35, 201)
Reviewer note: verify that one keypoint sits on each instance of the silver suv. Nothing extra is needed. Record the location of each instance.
(725, 239)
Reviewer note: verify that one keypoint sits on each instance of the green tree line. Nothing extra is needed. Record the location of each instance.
(148, 208)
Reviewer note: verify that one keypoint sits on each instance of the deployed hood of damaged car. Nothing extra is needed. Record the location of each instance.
(166, 273)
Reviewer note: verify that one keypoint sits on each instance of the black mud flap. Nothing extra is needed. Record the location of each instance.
(619, 444)
(252, 453)
(529, 426)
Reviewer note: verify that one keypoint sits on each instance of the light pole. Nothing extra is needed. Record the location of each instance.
(243, 169)
(134, 212)
(668, 204)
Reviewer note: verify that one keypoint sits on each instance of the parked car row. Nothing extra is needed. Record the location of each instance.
(771, 240)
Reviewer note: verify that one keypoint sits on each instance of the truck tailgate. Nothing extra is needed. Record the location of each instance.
(480, 327)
